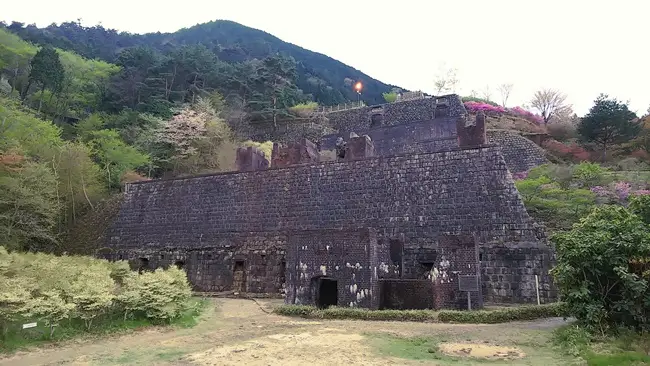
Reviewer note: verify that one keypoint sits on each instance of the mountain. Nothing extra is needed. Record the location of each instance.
(329, 81)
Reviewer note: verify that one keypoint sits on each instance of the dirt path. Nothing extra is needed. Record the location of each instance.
(238, 332)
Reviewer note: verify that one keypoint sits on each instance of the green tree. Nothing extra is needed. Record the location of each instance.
(603, 269)
(28, 205)
(274, 90)
(47, 71)
(390, 97)
(608, 122)
(114, 156)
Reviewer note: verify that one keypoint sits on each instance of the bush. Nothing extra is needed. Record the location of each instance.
(480, 316)
(303, 109)
(49, 289)
(603, 268)
(390, 97)
(561, 131)
(554, 205)
(530, 312)
(159, 295)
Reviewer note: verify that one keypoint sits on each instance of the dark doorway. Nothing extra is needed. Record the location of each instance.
(326, 293)
(144, 265)
(180, 265)
(239, 277)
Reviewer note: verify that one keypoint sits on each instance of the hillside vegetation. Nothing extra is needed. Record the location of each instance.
(231, 47)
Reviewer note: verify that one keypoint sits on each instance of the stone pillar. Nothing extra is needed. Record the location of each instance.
(293, 153)
(471, 133)
(250, 159)
(359, 147)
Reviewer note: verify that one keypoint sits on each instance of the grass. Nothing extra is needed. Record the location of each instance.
(415, 348)
(114, 324)
(501, 315)
(625, 349)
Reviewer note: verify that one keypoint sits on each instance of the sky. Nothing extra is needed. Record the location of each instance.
(580, 47)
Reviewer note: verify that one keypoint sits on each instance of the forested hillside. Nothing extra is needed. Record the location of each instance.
(73, 130)
(224, 61)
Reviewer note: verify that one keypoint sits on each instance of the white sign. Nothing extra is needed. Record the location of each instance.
(29, 325)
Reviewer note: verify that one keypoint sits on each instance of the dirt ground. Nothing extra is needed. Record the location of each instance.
(239, 332)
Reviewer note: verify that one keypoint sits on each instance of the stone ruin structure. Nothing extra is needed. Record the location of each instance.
(372, 229)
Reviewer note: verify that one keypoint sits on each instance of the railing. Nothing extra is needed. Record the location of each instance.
(341, 107)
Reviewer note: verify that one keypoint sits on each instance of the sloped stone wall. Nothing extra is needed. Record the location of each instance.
(214, 222)
(520, 153)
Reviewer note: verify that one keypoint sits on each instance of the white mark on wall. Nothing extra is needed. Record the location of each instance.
(383, 267)
(323, 270)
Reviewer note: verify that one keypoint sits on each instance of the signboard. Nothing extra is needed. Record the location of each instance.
(29, 325)
(468, 283)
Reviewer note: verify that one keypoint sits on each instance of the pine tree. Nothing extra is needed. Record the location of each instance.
(608, 122)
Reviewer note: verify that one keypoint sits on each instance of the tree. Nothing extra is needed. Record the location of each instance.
(273, 88)
(608, 122)
(47, 70)
(548, 102)
(505, 90)
(114, 156)
(487, 93)
(446, 81)
(28, 205)
(390, 97)
(602, 268)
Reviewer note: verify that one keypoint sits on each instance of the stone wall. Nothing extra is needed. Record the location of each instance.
(406, 294)
(421, 196)
(521, 153)
(509, 273)
(397, 113)
(348, 257)
(211, 266)
(417, 200)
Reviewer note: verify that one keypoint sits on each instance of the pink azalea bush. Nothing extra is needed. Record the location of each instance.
(477, 106)
(528, 115)
(618, 192)
(520, 175)
(474, 107)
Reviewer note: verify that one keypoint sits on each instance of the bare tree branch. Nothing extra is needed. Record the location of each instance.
(548, 102)
(505, 90)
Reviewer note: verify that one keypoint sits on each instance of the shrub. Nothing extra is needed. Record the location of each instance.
(503, 315)
(556, 206)
(561, 131)
(572, 152)
(602, 268)
(159, 295)
(589, 174)
(480, 316)
(304, 109)
(390, 97)
(49, 289)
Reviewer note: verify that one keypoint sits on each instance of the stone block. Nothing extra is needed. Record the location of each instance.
(359, 147)
(471, 133)
(294, 153)
(250, 159)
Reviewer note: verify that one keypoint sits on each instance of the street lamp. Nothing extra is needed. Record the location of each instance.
(358, 86)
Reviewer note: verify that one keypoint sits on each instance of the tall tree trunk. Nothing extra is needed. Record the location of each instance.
(40, 100)
(23, 93)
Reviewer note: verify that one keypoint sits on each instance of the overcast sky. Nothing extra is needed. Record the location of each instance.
(580, 47)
